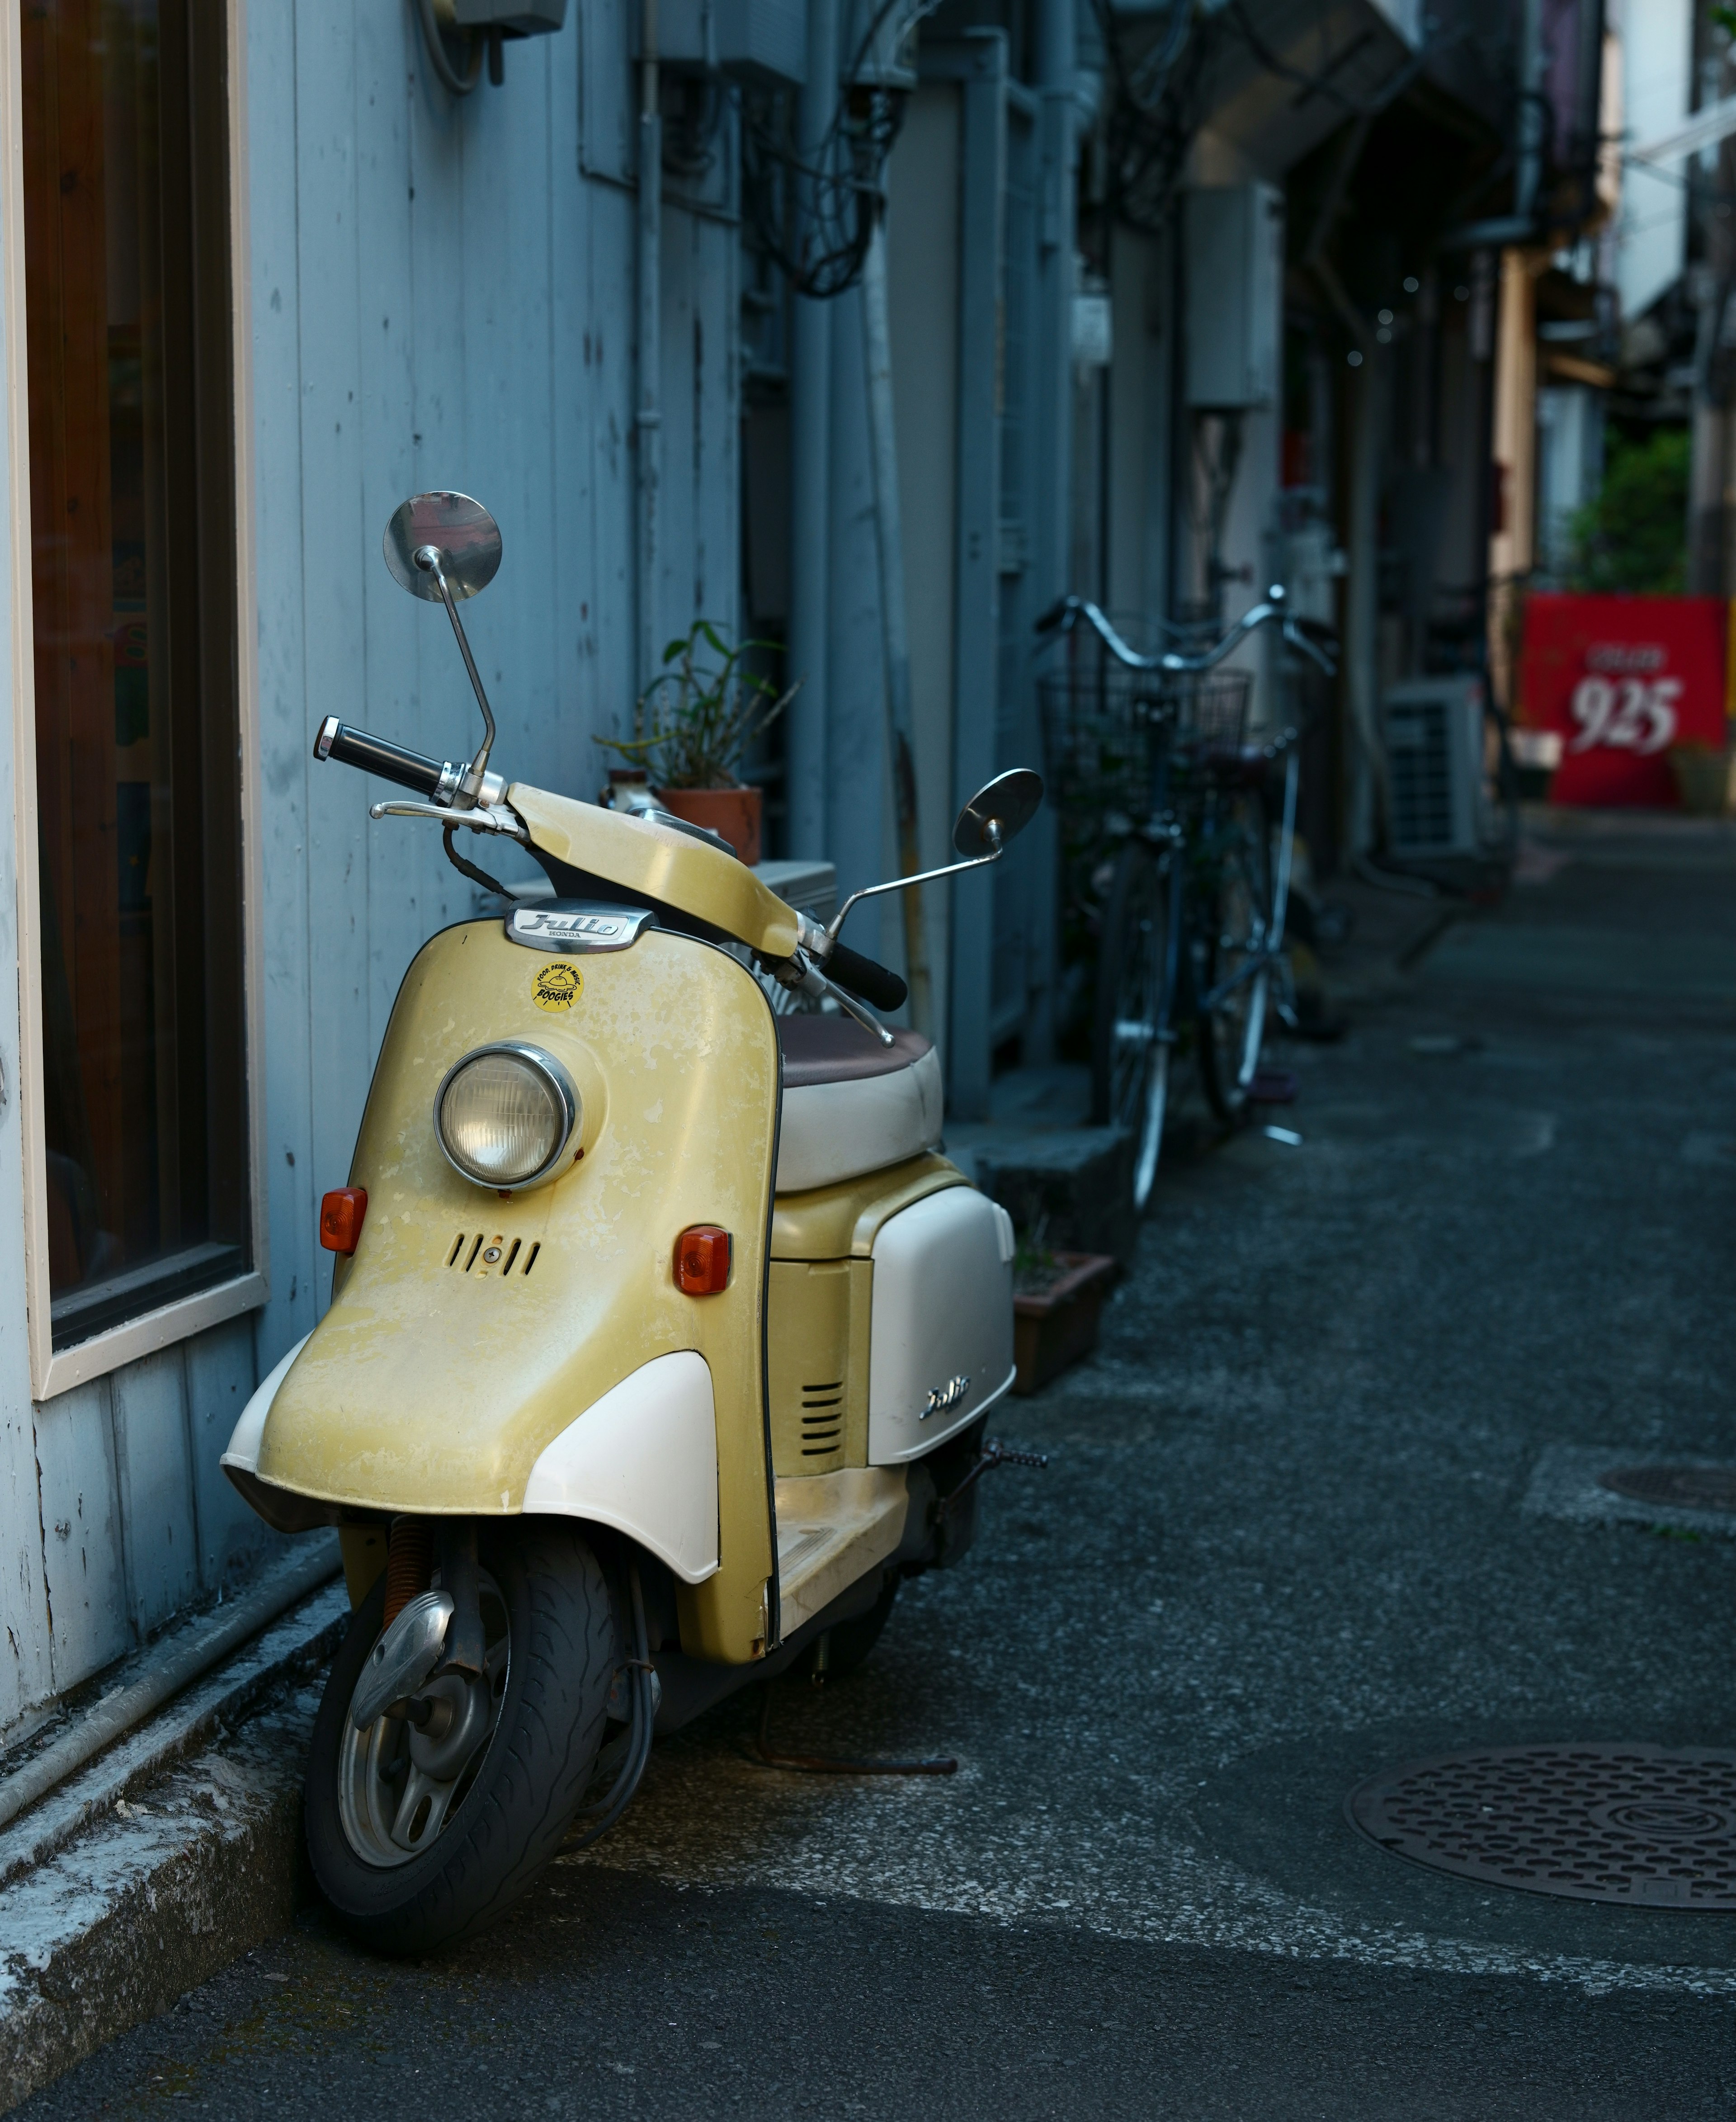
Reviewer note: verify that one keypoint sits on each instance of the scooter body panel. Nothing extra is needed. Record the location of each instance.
(440, 1375)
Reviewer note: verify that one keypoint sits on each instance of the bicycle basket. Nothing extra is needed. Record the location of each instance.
(1098, 723)
(1210, 708)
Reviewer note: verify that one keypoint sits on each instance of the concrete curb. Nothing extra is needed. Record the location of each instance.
(161, 1861)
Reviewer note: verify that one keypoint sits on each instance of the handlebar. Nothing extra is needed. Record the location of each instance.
(1316, 642)
(874, 982)
(374, 755)
(429, 778)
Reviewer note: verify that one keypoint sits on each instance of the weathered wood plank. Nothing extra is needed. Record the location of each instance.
(284, 737)
(154, 1477)
(84, 1567)
(335, 542)
(220, 1377)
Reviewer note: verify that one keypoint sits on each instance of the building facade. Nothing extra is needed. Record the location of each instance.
(1142, 320)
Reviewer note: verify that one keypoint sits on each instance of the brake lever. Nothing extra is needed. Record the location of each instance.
(495, 818)
(1323, 657)
(802, 975)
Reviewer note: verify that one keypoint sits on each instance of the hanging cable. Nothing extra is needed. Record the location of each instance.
(434, 37)
(815, 219)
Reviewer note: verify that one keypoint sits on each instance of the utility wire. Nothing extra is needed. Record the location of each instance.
(815, 219)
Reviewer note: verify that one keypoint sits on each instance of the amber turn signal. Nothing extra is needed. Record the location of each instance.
(702, 1260)
(340, 1218)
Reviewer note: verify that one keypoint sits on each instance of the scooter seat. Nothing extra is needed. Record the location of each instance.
(850, 1104)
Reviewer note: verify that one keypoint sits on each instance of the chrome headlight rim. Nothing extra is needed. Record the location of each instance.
(553, 1072)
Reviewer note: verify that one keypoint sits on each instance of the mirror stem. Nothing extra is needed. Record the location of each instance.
(428, 559)
(904, 883)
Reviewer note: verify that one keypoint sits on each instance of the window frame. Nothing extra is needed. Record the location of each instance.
(56, 1371)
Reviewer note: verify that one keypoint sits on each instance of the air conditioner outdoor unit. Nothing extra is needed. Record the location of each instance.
(1434, 732)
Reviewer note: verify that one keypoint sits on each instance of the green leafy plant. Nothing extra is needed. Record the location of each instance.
(1632, 537)
(1035, 1268)
(705, 707)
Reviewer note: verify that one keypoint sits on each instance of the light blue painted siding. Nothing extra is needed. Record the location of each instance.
(442, 298)
(440, 295)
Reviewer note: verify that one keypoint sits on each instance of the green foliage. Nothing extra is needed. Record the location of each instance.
(1632, 537)
(697, 717)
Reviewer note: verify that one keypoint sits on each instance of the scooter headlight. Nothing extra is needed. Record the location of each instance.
(505, 1114)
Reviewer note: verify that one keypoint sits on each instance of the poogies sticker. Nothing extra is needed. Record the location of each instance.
(558, 985)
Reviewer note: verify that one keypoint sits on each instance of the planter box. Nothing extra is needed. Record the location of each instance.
(1057, 1326)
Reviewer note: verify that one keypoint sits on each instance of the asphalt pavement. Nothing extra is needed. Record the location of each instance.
(1294, 1531)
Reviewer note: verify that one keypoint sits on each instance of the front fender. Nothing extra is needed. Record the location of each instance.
(644, 1459)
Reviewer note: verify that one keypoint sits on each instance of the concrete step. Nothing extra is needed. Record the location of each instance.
(158, 1862)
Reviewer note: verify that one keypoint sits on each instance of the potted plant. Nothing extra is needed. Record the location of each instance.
(1058, 1305)
(691, 726)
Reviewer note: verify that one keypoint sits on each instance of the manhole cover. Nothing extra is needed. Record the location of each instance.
(1598, 1822)
(1675, 1487)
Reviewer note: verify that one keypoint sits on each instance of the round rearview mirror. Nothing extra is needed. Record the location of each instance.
(465, 534)
(1009, 802)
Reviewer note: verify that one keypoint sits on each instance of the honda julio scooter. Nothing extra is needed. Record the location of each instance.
(661, 1336)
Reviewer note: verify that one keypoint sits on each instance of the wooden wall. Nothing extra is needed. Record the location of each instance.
(442, 298)
(439, 296)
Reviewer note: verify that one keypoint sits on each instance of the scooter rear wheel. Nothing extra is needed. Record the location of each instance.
(414, 1854)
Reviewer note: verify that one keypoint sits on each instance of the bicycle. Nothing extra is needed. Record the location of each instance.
(1193, 932)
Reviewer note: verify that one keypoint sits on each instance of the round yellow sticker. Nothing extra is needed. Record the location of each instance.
(558, 985)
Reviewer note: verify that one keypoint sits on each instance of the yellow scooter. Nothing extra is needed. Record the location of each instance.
(661, 1337)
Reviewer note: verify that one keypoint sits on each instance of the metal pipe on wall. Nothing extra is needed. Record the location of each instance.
(1051, 503)
(1362, 605)
(810, 485)
(894, 631)
(647, 412)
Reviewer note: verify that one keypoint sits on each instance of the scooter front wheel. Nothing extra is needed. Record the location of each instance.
(421, 1837)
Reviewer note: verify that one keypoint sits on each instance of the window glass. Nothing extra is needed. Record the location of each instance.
(127, 300)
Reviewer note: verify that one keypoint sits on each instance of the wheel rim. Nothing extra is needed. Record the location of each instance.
(398, 1787)
(1136, 1052)
(1152, 1131)
(1237, 1028)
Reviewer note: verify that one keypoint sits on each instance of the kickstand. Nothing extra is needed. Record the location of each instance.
(759, 1751)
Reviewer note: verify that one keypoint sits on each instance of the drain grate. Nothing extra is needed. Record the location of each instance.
(1601, 1821)
(1674, 1488)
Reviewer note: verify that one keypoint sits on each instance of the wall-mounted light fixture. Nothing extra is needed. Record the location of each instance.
(459, 33)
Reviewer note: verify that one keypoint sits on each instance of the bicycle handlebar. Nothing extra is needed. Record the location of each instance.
(1318, 642)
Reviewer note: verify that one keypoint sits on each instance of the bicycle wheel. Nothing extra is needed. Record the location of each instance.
(1130, 1070)
(1235, 973)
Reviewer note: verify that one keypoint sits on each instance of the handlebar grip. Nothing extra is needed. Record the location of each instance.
(1051, 618)
(873, 982)
(374, 754)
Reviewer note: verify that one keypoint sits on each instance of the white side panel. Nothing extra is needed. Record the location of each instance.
(832, 1131)
(943, 1310)
(244, 1446)
(644, 1459)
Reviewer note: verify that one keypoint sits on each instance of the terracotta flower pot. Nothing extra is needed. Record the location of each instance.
(733, 812)
(1055, 1326)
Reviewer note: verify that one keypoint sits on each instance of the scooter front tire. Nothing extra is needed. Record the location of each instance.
(509, 1823)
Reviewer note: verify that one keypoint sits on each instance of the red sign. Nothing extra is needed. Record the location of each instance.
(1621, 681)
